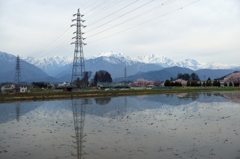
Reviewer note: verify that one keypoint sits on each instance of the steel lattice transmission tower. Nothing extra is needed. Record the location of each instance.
(78, 68)
(17, 78)
(78, 108)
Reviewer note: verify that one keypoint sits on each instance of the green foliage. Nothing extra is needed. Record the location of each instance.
(78, 82)
(102, 76)
(184, 76)
(195, 84)
(209, 82)
(178, 84)
(216, 83)
(204, 84)
(194, 77)
(236, 84)
(187, 77)
(167, 83)
(188, 83)
(84, 81)
(40, 84)
(86, 76)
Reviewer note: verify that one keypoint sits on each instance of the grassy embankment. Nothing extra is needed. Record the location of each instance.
(39, 94)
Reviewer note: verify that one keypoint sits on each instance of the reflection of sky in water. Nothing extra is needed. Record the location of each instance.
(201, 125)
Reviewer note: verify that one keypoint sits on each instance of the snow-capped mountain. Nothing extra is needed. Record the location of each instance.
(61, 67)
(156, 59)
(187, 63)
(7, 69)
(114, 58)
(114, 61)
(50, 65)
(7, 57)
(115, 64)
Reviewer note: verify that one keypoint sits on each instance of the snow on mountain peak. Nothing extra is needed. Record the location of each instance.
(49, 64)
(8, 57)
(114, 58)
(108, 54)
(189, 63)
(52, 60)
(156, 59)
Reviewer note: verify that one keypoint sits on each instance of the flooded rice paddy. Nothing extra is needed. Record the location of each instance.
(200, 125)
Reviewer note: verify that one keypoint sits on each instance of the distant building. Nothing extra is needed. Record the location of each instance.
(103, 85)
(8, 88)
(64, 84)
(22, 89)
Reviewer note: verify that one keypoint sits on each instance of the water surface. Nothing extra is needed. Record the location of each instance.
(198, 125)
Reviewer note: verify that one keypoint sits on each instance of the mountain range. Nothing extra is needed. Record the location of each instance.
(151, 67)
(28, 72)
(58, 65)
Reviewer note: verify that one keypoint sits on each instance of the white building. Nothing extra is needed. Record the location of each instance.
(23, 89)
(64, 84)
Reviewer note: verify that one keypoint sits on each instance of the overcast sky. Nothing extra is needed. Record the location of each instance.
(207, 31)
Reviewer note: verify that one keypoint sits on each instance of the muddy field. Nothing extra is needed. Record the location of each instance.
(196, 125)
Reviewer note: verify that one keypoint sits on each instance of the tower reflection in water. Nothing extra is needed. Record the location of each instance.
(78, 109)
(17, 107)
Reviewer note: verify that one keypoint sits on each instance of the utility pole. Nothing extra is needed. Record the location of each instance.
(78, 68)
(17, 78)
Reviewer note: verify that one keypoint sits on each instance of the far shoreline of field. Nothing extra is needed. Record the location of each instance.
(51, 95)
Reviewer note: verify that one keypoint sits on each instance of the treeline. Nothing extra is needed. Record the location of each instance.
(192, 79)
(99, 76)
(41, 84)
(172, 83)
(188, 77)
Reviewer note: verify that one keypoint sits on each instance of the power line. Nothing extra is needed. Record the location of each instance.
(50, 38)
(85, 4)
(90, 5)
(103, 9)
(55, 40)
(146, 21)
(98, 5)
(51, 52)
(65, 50)
(120, 16)
(114, 12)
(137, 16)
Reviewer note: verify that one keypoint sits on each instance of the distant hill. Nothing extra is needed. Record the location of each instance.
(50, 65)
(150, 67)
(160, 75)
(213, 74)
(167, 73)
(114, 63)
(7, 69)
(222, 78)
